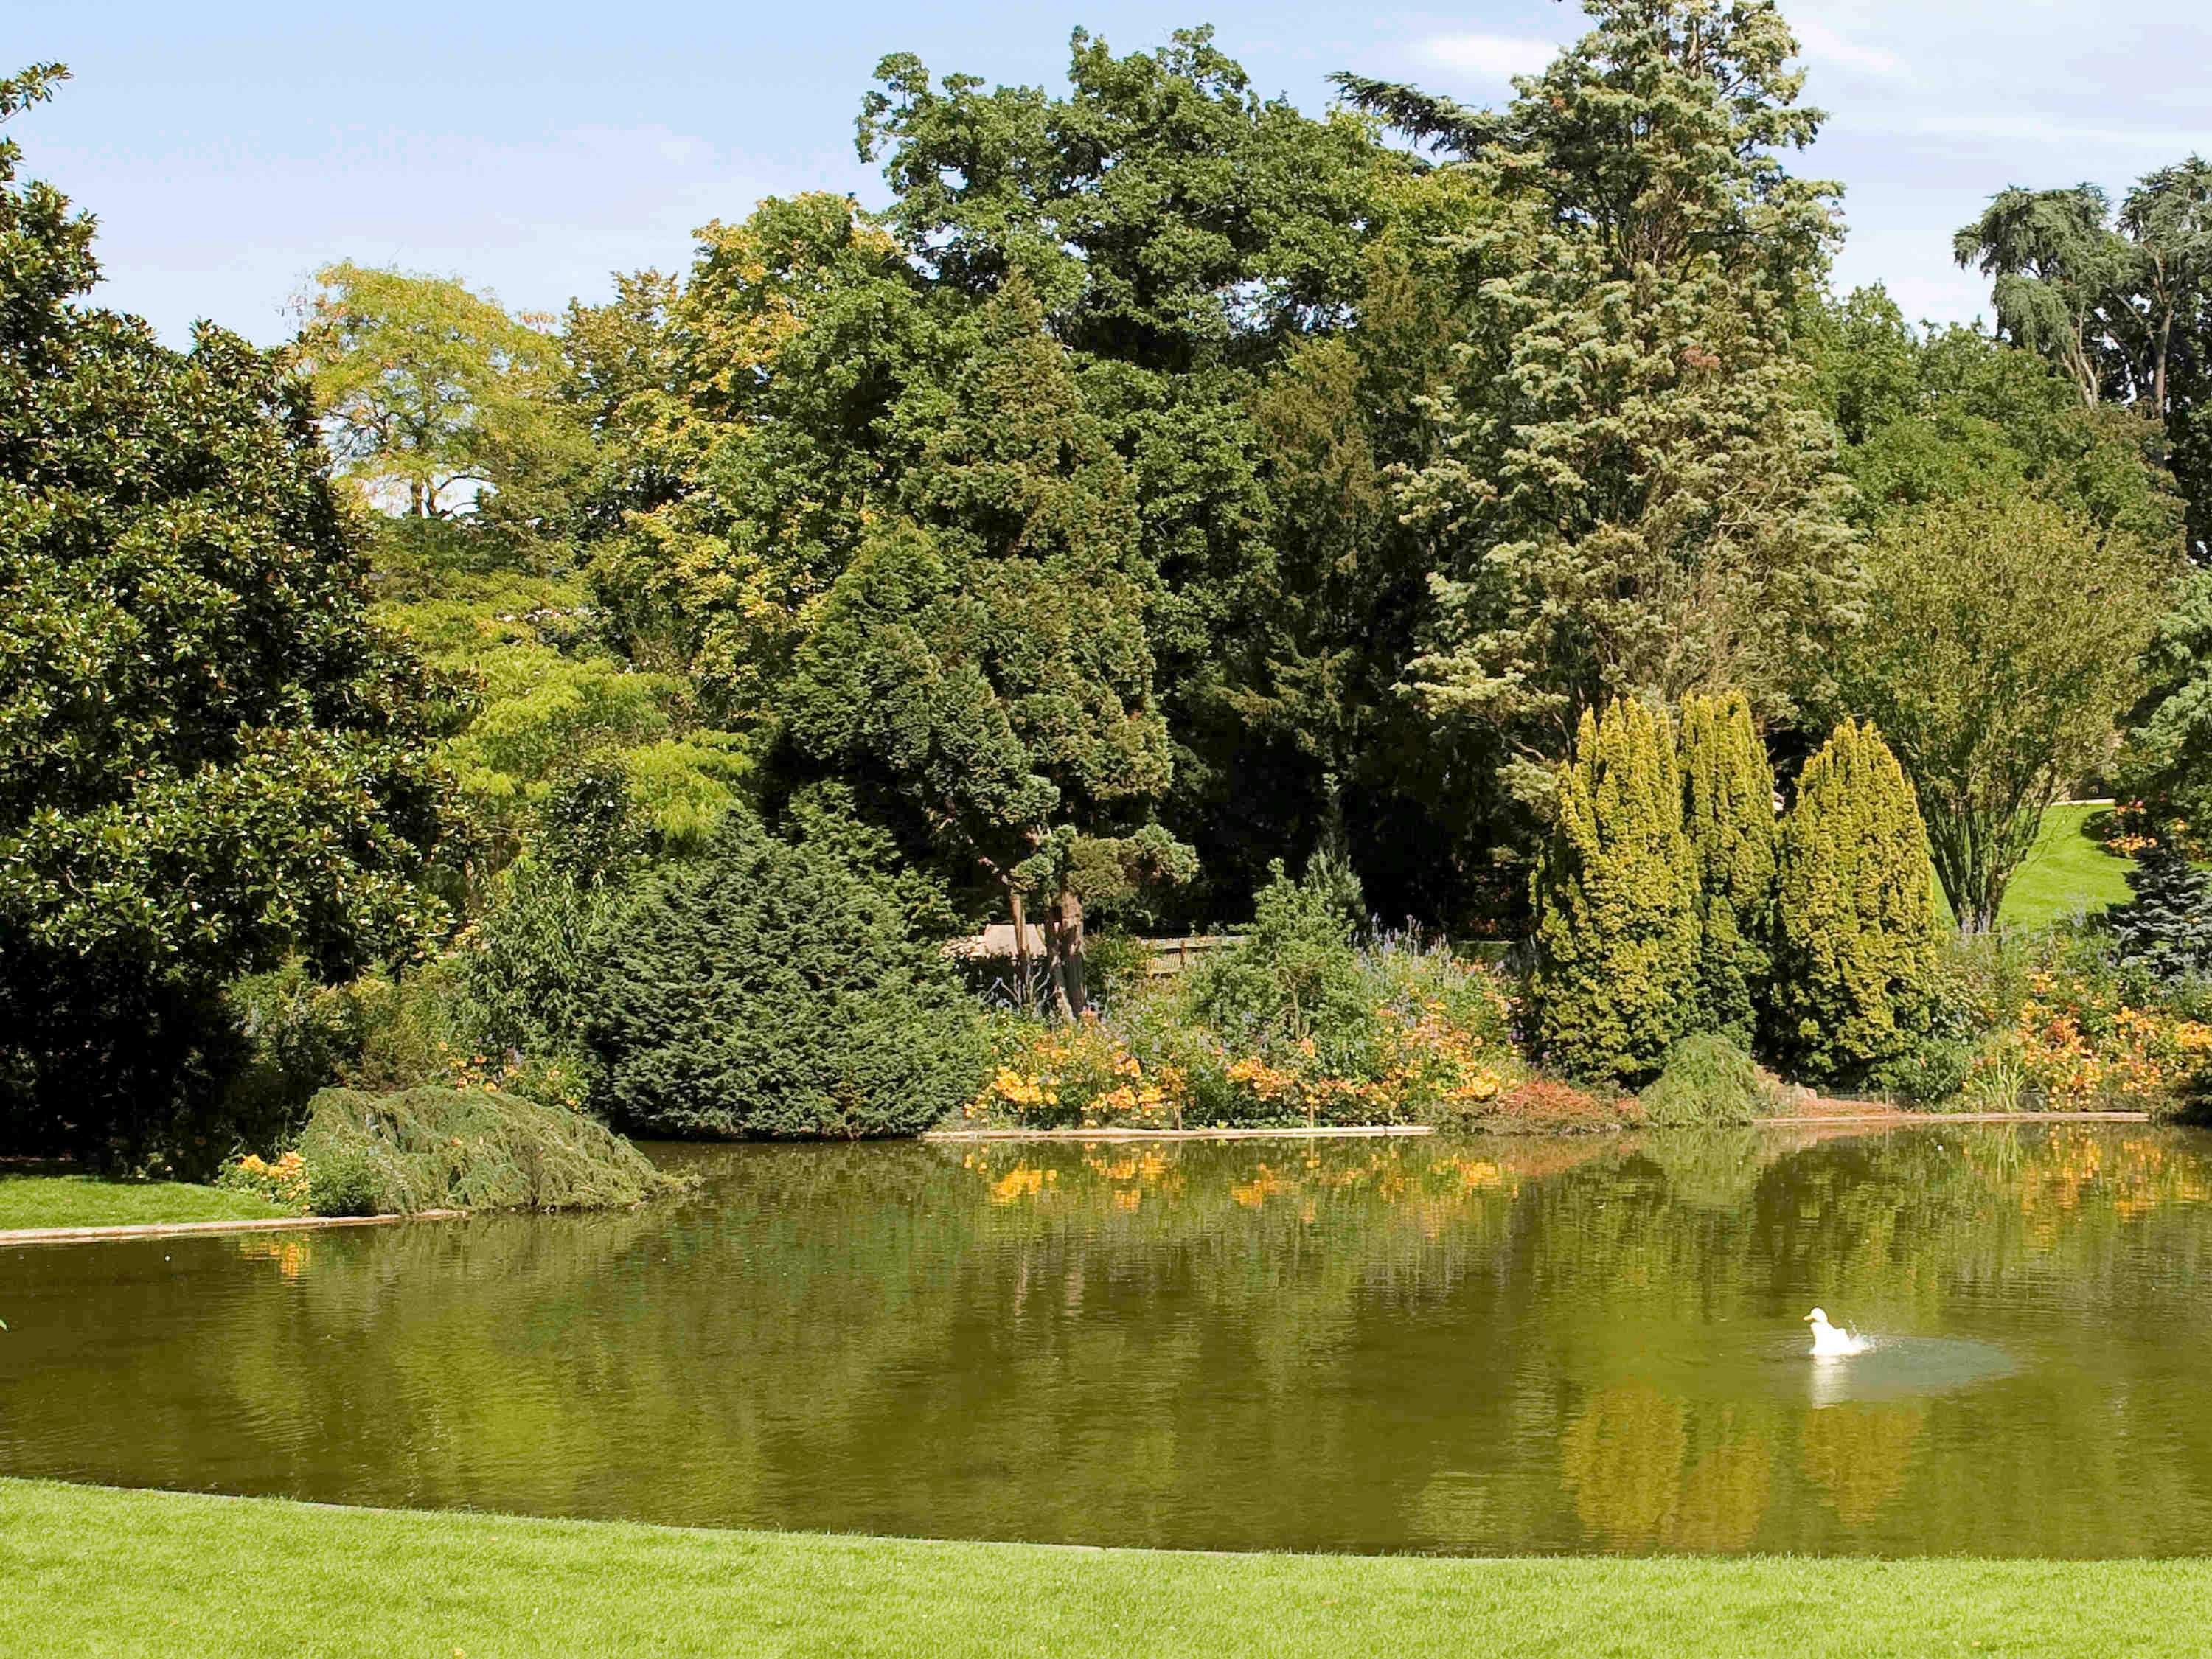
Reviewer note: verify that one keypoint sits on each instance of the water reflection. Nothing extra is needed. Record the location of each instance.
(1482, 1346)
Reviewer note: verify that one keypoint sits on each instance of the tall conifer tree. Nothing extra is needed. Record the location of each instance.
(1615, 894)
(1728, 809)
(1855, 911)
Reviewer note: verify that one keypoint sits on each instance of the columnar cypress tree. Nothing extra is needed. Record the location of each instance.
(1615, 894)
(1728, 809)
(1855, 913)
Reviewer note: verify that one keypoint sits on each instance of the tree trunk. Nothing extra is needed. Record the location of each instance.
(1025, 987)
(1064, 940)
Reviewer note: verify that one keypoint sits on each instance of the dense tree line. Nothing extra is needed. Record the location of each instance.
(1166, 483)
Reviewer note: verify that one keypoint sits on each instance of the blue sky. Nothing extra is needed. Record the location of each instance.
(229, 149)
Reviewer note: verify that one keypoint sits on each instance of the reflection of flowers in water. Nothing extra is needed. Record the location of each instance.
(1621, 1457)
(293, 1255)
(1860, 1454)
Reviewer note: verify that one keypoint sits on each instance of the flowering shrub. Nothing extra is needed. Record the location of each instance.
(2079, 1043)
(1415, 1035)
(282, 1182)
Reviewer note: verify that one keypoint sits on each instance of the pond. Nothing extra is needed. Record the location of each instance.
(1464, 1346)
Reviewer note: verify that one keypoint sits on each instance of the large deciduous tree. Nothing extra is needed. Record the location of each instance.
(981, 665)
(209, 759)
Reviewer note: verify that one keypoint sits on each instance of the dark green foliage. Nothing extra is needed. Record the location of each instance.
(1615, 894)
(1708, 1080)
(293, 1037)
(464, 1149)
(528, 970)
(209, 759)
(768, 990)
(1728, 810)
(1854, 920)
(2166, 930)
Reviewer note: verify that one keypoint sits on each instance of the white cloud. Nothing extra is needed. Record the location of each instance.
(1822, 45)
(1495, 55)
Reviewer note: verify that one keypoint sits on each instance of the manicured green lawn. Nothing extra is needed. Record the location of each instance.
(29, 1200)
(86, 1571)
(2066, 872)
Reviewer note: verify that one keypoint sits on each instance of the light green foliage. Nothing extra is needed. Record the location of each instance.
(1634, 369)
(464, 1149)
(1728, 811)
(1615, 894)
(771, 990)
(1855, 917)
(432, 393)
(210, 759)
(1709, 1080)
(1999, 648)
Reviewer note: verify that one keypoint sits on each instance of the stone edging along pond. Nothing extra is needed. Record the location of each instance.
(185, 1229)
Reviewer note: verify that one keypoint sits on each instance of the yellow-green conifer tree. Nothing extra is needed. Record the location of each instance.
(1728, 810)
(1615, 894)
(1854, 911)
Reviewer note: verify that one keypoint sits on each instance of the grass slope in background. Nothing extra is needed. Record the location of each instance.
(85, 1571)
(2066, 872)
(76, 1201)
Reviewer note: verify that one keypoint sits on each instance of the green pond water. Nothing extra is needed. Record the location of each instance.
(1467, 1347)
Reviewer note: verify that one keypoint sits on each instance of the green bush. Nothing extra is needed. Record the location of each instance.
(771, 990)
(1615, 891)
(1296, 978)
(294, 1037)
(1855, 957)
(2165, 931)
(438, 1149)
(1708, 1079)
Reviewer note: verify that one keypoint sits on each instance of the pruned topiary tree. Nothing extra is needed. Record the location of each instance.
(1615, 893)
(1855, 914)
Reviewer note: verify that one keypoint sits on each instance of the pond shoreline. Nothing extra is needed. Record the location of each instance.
(185, 1229)
(1861, 1113)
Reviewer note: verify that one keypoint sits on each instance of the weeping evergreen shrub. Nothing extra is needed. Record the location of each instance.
(1728, 811)
(1855, 918)
(771, 990)
(1615, 891)
(1708, 1078)
(464, 1149)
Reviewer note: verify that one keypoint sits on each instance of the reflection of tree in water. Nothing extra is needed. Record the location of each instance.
(1621, 1458)
(1859, 1454)
(1725, 1493)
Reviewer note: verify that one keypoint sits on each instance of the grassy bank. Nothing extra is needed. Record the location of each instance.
(77, 1200)
(2067, 872)
(85, 1571)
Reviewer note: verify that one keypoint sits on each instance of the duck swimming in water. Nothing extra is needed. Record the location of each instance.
(1829, 1342)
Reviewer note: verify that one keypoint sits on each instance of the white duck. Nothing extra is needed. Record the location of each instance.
(1831, 1343)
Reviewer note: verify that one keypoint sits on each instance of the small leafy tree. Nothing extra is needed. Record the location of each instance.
(2001, 646)
(1855, 959)
(2167, 929)
(768, 990)
(1615, 892)
(1728, 809)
